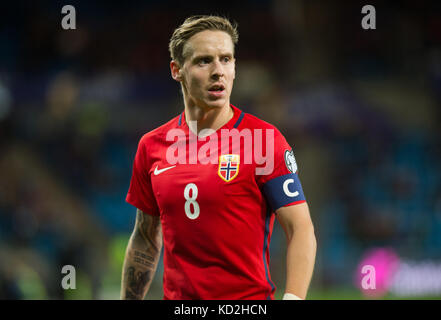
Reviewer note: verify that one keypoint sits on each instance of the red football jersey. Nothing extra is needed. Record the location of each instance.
(217, 217)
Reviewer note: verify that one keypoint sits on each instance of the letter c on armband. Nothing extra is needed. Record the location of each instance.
(286, 190)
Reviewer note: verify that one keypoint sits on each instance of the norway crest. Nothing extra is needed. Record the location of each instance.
(228, 166)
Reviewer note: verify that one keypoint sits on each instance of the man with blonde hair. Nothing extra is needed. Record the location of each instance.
(210, 203)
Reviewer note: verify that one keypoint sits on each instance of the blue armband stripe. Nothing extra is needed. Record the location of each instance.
(283, 190)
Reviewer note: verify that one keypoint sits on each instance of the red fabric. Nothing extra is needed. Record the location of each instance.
(220, 254)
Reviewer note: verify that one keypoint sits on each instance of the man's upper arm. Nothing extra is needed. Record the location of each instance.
(148, 230)
(294, 217)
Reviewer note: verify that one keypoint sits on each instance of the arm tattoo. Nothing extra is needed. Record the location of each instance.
(143, 259)
(142, 256)
(137, 280)
(147, 228)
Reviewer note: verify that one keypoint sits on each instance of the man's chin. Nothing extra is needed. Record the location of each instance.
(220, 103)
(212, 104)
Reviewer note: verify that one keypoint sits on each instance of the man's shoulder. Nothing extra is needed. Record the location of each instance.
(254, 123)
(161, 131)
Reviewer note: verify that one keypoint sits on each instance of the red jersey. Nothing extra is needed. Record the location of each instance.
(217, 217)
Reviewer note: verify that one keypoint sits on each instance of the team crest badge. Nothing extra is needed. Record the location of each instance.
(228, 166)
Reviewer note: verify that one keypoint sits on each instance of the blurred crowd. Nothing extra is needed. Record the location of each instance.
(360, 108)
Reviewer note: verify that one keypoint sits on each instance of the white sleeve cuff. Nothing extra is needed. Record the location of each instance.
(290, 296)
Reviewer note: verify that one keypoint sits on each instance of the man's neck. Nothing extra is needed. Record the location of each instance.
(207, 118)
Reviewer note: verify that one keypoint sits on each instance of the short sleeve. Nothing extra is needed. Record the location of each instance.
(281, 185)
(140, 192)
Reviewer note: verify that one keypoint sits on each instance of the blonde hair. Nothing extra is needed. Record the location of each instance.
(195, 24)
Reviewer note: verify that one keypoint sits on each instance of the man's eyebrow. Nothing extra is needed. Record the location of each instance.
(204, 56)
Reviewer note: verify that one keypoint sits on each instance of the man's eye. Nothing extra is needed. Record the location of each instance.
(204, 61)
(226, 59)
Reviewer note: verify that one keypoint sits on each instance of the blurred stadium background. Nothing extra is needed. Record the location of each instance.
(361, 109)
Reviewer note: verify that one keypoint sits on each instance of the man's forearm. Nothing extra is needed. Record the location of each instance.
(300, 259)
(142, 256)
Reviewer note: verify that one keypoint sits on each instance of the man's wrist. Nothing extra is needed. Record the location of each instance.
(290, 296)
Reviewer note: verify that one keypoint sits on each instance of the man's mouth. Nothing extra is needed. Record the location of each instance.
(216, 88)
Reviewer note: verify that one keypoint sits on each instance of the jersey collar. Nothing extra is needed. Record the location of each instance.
(232, 123)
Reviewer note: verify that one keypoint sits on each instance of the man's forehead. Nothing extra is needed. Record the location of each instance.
(207, 41)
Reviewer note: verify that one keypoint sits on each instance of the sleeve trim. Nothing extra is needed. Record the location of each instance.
(137, 204)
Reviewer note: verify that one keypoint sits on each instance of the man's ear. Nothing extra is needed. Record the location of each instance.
(175, 71)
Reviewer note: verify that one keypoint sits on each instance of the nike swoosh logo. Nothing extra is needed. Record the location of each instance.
(156, 172)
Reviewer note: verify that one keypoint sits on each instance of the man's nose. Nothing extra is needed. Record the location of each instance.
(218, 70)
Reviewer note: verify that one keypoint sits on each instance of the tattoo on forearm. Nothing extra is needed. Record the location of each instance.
(144, 249)
(137, 280)
(131, 296)
(144, 259)
(148, 228)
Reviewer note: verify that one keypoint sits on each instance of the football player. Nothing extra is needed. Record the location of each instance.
(211, 202)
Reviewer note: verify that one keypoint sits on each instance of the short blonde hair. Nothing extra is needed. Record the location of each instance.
(195, 24)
